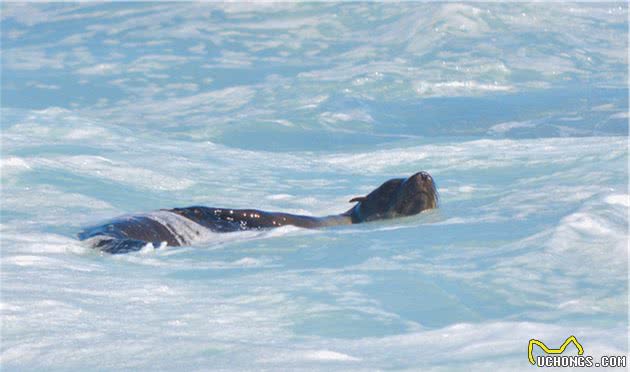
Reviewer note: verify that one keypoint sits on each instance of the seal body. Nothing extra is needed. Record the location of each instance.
(185, 226)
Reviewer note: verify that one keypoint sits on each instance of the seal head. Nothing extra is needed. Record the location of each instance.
(396, 198)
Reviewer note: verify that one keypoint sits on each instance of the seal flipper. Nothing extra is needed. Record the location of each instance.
(118, 246)
(358, 199)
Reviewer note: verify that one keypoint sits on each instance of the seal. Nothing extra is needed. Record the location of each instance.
(396, 197)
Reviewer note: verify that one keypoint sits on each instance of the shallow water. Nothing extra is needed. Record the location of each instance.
(520, 113)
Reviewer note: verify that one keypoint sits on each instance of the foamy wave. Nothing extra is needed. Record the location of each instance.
(114, 170)
(457, 88)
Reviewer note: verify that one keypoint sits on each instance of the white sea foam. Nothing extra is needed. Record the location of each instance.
(183, 229)
(457, 88)
(622, 200)
(13, 164)
(117, 171)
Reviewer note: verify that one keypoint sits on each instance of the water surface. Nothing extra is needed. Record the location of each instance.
(519, 111)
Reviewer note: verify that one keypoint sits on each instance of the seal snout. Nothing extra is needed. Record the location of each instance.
(422, 184)
(422, 178)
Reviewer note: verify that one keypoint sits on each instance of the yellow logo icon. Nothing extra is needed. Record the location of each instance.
(547, 350)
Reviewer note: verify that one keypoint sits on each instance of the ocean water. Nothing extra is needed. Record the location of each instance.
(519, 111)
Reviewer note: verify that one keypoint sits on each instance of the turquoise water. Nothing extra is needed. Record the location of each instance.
(519, 112)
